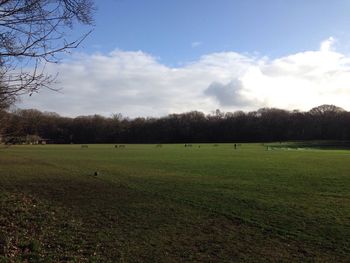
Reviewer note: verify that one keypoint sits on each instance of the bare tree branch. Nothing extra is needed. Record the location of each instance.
(33, 32)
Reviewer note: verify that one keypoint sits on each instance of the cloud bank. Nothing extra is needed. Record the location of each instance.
(138, 84)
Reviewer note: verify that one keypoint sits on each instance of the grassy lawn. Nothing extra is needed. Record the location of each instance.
(174, 204)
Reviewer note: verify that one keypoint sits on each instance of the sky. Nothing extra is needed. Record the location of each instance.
(156, 57)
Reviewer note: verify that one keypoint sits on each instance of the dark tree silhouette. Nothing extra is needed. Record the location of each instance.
(325, 123)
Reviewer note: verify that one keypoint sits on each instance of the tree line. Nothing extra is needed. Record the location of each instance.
(325, 122)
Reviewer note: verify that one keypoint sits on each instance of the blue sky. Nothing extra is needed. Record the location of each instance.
(155, 57)
(168, 28)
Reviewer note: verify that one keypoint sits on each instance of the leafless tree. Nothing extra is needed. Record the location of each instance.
(32, 33)
(325, 109)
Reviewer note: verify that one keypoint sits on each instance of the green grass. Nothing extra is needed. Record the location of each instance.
(325, 145)
(174, 204)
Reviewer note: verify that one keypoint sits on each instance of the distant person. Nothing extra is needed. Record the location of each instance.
(235, 146)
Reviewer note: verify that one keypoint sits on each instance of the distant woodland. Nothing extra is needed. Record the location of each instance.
(325, 122)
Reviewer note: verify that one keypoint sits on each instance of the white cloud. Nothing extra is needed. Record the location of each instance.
(228, 94)
(137, 84)
(327, 44)
(196, 44)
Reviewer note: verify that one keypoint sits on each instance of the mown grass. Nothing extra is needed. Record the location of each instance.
(174, 204)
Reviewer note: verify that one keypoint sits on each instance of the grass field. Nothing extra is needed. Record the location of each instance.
(174, 204)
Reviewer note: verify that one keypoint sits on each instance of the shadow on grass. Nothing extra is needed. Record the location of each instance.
(79, 219)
